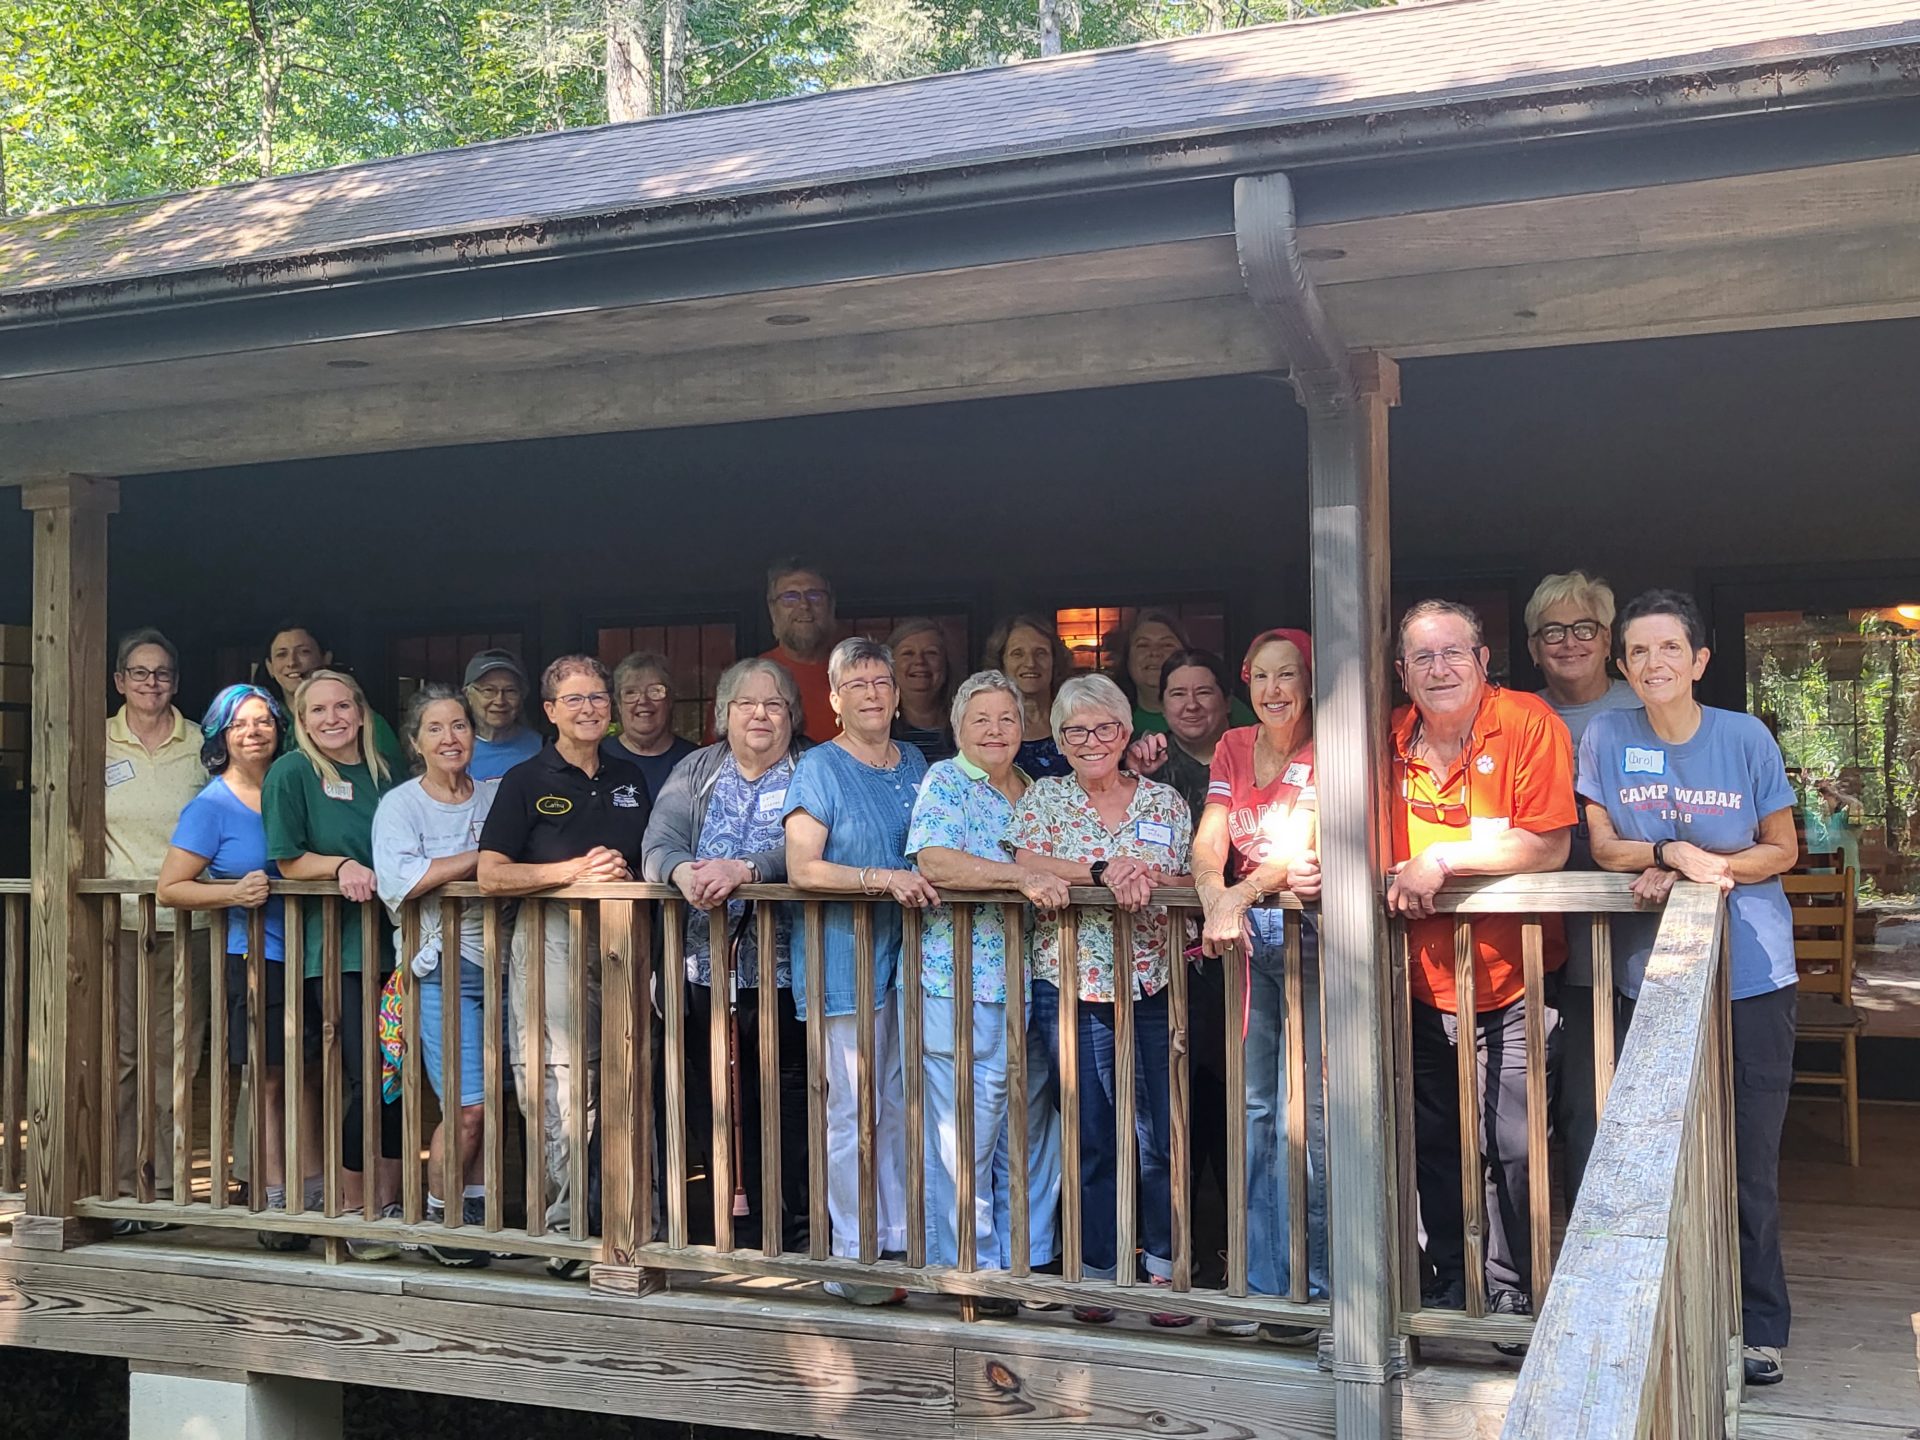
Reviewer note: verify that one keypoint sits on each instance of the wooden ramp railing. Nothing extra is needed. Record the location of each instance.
(13, 1043)
(1640, 1336)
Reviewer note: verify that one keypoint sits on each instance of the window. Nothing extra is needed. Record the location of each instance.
(1090, 631)
(697, 650)
(414, 660)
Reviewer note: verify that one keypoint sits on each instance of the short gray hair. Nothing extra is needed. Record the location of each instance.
(637, 663)
(134, 639)
(983, 682)
(741, 671)
(1090, 692)
(852, 651)
(1432, 610)
(1576, 587)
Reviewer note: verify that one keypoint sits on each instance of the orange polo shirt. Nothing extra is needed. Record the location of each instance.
(1516, 771)
(816, 703)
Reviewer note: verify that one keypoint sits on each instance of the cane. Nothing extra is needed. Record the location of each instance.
(733, 1057)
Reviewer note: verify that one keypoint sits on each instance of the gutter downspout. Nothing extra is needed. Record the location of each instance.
(1346, 396)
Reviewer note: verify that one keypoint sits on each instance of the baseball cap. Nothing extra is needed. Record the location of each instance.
(494, 660)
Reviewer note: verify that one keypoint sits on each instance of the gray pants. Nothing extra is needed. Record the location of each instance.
(160, 1042)
(552, 1115)
(1499, 1038)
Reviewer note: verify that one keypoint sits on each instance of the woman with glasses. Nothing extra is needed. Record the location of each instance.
(846, 812)
(572, 815)
(218, 861)
(319, 802)
(643, 704)
(1105, 826)
(1256, 839)
(496, 691)
(717, 826)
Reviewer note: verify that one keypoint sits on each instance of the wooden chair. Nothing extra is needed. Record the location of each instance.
(1823, 953)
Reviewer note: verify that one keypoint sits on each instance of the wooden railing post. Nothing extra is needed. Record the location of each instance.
(65, 1087)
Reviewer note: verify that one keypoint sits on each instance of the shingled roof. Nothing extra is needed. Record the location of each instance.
(1370, 63)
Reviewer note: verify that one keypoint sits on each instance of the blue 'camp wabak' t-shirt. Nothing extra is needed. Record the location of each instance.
(1713, 792)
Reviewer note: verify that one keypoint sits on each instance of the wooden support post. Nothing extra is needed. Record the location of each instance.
(65, 1086)
(1346, 397)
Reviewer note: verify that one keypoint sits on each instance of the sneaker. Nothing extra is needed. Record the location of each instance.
(864, 1294)
(1167, 1319)
(1042, 1307)
(1093, 1314)
(377, 1249)
(1762, 1364)
(455, 1259)
(1294, 1336)
(1444, 1295)
(1509, 1302)
(282, 1240)
(996, 1308)
(563, 1267)
(1235, 1329)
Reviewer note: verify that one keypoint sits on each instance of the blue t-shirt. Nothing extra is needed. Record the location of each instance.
(866, 811)
(655, 767)
(1713, 792)
(218, 825)
(493, 758)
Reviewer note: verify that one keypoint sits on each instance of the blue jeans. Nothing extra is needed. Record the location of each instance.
(473, 1032)
(992, 1167)
(1098, 1148)
(1269, 1245)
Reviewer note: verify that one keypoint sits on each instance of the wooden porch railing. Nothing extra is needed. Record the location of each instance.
(13, 1044)
(1641, 1335)
(617, 922)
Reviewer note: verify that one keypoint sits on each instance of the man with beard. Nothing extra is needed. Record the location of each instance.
(805, 629)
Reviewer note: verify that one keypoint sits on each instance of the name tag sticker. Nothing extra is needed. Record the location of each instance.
(1152, 832)
(337, 789)
(1644, 762)
(771, 800)
(1298, 773)
(119, 772)
(1485, 827)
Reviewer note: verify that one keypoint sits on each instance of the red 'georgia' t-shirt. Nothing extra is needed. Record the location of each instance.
(1261, 818)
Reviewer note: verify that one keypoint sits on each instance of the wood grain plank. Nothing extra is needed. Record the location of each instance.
(914, 1057)
(370, 979)
(578, 1067)
(146, 1063)
(494, 1064)
(1539, 1185)
(720, 1177)
(1126, 1189)
(1179, 1109)
(413, 1075)
(333, 1067)
(533, 1097)
(1014, 918)
(965, 1234)
(866, 1082)
(816, 977)
(1072, 1256)
(772, 1214)
(673, 1004)
(1466, 1053)
(453, 1160)
(293, 1042)
(183, 1063)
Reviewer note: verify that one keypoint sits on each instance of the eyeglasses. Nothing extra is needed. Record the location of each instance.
(1426, 661)
(597, 700)
(141, 675)
(242, 727)
(1105, 732)
(1579, 629)
(497, 692)
(655, 692)
(879, 685)
(792, 598)
(773, 708)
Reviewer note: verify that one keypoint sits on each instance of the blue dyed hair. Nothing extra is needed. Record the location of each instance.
(213, 726)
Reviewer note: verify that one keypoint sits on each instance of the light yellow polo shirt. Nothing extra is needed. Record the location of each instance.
(145, 795)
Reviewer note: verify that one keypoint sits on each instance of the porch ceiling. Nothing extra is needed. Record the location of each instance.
(1794, 247)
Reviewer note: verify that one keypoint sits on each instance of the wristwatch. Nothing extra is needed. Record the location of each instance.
(1098, 870)
(1660, 855)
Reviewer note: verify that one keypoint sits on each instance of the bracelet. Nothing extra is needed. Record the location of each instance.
(1446, 870)
(341, 866)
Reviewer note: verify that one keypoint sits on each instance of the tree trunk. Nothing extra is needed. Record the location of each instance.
(673, 55)
(1216, 15)
(1049, 28)
(630, 91)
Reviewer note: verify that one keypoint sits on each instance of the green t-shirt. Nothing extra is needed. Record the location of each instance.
(305, 816)
(1154, 722)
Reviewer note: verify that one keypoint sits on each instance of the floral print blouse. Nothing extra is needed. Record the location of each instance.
(1057, 819)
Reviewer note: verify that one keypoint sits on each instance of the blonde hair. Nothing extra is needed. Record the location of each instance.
(1576, 587)
(369, 752)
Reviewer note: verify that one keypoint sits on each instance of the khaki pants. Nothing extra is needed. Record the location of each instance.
(160, 1042)
(556, 1114)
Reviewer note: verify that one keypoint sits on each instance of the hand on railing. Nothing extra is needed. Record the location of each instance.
(356, 881)
(601, 864)
(249, 892)
(1414, 883)
(1652, 886)
(909, 887)
(1049, 893)
(1303, 876)
(707, 884)
(1699, 865)
(1131, 882)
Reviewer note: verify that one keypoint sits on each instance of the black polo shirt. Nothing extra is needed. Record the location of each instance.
(548, 810)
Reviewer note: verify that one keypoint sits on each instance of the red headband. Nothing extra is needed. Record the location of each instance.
(1299, 639)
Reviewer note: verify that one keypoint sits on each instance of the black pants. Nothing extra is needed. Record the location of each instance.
(1763, 1034)
(1207, 1086)
(352, 1036)
(1500, 1043)
(793, 1119)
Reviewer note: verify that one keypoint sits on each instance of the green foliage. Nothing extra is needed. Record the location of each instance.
(103, 101)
